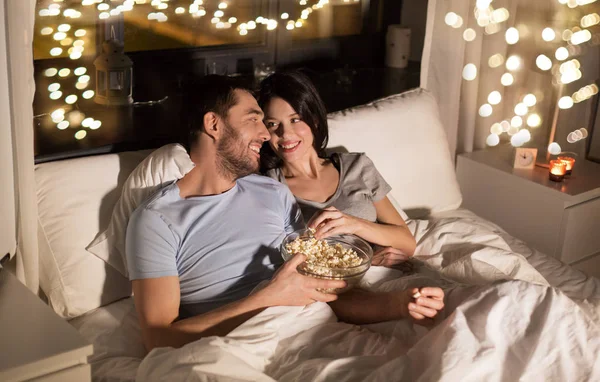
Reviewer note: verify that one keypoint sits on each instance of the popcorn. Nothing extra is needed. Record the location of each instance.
(416, 295)
(321, 257)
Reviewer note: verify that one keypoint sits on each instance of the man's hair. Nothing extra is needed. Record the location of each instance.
(296, 89)
(211, 93)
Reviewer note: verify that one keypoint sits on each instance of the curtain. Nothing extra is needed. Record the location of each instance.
(19, 201)
(466, 65)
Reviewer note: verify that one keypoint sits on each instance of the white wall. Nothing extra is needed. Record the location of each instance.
(414, 16)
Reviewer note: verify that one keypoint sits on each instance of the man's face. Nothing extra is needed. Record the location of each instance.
(238, 149)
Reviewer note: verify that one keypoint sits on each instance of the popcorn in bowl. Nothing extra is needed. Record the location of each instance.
(340, 257)
(322, 258)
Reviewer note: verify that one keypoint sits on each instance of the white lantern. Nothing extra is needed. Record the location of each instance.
(114, 75)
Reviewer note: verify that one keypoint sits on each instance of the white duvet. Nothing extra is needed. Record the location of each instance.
(511, 314)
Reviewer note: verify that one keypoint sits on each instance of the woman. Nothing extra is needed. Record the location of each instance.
(343, 193)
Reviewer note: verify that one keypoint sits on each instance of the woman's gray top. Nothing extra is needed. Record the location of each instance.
(360, 185)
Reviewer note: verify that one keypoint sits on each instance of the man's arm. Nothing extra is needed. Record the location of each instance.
(157, 303)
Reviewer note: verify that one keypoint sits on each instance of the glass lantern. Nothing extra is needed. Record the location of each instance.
(114, 75)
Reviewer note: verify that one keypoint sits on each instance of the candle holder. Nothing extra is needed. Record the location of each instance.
(570, 162)
(558, 169)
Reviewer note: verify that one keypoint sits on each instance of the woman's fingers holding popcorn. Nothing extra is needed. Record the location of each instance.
(335, 226)
(332, 228)
(323, 215)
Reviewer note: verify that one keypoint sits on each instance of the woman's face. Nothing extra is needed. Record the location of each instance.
(291, 138)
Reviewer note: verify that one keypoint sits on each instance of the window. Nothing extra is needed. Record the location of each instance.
(169, 43)
(185, 24)
(339, 18)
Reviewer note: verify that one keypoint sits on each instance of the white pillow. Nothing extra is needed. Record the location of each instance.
(404, 137)
(75, 201)
(168, 163)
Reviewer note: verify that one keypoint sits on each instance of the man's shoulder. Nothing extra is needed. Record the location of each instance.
(261, 182)
(158, 200)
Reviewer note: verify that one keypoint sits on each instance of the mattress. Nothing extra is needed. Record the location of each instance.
(471, 258)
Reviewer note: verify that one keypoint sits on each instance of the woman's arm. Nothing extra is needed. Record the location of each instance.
(389, 231)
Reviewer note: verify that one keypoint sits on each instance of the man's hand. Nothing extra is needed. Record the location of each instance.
(426, 303)
(290, 288)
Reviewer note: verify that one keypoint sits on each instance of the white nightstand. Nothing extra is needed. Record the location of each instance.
(36, 344)
(558, 219)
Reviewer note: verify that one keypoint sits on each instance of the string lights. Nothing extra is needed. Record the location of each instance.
(562, 71)
(68, 39)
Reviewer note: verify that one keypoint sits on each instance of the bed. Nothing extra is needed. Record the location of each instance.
(511, 313)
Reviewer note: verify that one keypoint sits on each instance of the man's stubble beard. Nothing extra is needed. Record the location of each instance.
(232, 160)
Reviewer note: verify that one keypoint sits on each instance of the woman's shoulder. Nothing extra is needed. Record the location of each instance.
(354, 160)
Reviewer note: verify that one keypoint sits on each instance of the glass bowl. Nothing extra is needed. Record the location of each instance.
(352, 275)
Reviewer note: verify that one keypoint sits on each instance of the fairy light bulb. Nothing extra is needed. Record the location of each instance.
(548, 34)
(521, 109)
(543, 62)
(507, 79)
(469, 34)
(512, 36)
(494, 98)
(485, 110)
(530, 100)
(451, 18)
(565, 102)
(513, 63)
(561, 53)
(554, 148)
(492, 140)
(469, 72)
(516, 121)
(80, 134)
(62, 125)
(496, 129)
(534, 120)
(496, 60)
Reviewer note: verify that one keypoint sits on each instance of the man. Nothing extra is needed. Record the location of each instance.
(198, 247)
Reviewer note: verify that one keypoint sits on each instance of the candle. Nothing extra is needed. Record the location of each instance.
(558, 169)
(570, 162)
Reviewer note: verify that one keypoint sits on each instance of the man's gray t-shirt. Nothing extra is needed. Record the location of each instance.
(221, 246)
(359, 187)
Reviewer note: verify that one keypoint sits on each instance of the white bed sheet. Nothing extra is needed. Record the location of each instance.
(115, 333)
(466, 255)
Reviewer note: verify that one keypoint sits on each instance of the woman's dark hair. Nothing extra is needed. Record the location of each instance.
(296, 89)
(210, 93)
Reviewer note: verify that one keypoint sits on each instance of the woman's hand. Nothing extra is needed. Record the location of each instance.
(331, 221)
(388, 257)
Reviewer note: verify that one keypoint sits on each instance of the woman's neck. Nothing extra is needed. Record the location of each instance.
(309, 166)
